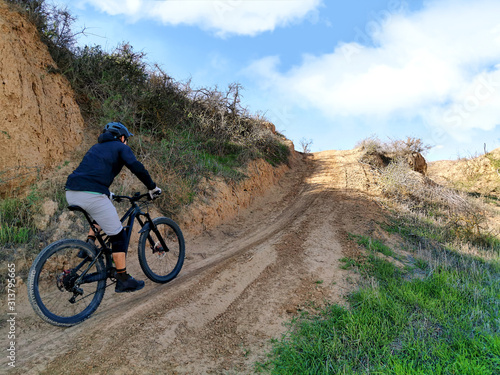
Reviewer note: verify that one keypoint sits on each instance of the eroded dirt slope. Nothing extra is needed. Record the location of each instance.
(240, 282)
(480, 174)
(40, 122)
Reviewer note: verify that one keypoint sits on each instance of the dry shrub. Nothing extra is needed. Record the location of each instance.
(475, 166)
(380, 154)
(460, 213)
(370, 144)
(374, 154)
(305, 144)
(398, 181)
(406, 147)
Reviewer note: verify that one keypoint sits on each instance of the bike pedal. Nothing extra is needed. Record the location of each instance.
(112, 274)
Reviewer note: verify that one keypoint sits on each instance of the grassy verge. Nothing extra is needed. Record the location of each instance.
(16, 218)
(17, 229)
(438, 315)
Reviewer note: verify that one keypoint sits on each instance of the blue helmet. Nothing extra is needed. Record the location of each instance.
(117, 129)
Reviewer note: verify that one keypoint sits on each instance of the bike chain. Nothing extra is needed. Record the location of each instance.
(88, 295)
(113, 281)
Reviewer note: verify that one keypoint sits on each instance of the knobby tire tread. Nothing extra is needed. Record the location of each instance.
(143, 247)
(34, 295)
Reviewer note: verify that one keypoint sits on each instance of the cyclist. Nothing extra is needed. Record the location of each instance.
(88, 187)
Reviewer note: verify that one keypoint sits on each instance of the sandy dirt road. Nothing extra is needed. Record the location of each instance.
(240, 283)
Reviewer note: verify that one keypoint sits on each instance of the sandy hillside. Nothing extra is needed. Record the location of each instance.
(480, 174)
(240, 282)
(40, 122)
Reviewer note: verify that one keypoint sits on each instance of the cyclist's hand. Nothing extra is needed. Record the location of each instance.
(154, 193)
(114, 197)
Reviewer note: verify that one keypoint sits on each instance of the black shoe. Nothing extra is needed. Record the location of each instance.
(129, 285)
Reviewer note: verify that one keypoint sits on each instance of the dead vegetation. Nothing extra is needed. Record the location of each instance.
(405, 183)
(476, 174)
(380, 154)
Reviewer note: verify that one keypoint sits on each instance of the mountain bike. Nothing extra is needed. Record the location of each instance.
(67, 280)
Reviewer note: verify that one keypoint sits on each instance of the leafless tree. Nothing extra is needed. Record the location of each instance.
(306, 145)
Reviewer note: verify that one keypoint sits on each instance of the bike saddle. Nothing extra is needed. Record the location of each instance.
(76, 208)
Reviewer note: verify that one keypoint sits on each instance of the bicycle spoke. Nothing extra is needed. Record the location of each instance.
(61, 281)
(163, 260)
(56, 271)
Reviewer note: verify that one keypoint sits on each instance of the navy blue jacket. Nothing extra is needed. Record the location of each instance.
(102, 163)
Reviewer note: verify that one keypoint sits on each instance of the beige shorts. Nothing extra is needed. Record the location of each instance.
(99, 207)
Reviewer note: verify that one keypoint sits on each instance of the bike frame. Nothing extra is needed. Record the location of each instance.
(70, 265)
(133, 213)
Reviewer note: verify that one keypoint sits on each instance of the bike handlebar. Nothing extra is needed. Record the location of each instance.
(136, 197)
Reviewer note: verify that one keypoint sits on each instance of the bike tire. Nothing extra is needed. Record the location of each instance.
(49, 280)
(162, 266)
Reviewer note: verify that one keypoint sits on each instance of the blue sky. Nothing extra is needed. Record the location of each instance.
(333, 72)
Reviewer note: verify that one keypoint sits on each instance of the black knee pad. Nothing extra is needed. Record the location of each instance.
(119, 242)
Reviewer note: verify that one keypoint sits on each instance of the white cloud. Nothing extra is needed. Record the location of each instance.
(224, 17)
(439, 62)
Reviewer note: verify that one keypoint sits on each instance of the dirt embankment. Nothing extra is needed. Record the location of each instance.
(223, 201)
(480, 174)
(40, 122)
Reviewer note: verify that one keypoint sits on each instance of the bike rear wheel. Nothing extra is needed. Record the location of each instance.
(54, 289)
(160, 264)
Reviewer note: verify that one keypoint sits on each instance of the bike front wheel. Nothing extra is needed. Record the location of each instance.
(56, 290)
(161, 250)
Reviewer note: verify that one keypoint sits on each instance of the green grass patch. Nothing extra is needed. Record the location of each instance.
(193, 159)
(446, 323)
(426, 232)
(422, 264)
(15, 235)
(17, 225)
(373, 244)
(349, 263)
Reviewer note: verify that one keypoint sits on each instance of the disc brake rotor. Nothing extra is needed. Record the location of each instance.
(158, 250)
(66, 280)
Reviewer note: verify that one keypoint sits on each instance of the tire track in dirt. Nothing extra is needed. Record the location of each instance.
(106, 316)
